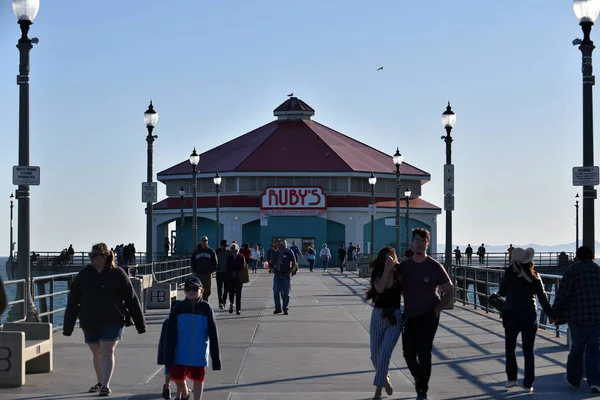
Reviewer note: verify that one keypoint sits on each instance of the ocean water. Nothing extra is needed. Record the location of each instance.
(60, 301)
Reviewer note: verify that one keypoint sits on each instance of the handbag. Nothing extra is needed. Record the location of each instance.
(497, 302)
(244, 274)
(124, 314)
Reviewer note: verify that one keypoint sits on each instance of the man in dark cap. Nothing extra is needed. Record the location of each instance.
(203, 264)
(222, 254)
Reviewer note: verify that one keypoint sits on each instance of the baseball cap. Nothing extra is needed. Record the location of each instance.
(193, 281)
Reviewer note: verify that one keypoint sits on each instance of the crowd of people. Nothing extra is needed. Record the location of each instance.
(102, 298)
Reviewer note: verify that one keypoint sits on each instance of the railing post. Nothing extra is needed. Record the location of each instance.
(475, 291)
(487, 291)
(465, 293)
(51, 315)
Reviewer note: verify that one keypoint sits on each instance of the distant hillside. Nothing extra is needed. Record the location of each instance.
(568, 247)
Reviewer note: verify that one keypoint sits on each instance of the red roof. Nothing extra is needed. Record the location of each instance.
(312, 147)
(172, 203)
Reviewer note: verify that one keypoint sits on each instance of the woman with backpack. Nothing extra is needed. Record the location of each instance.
(521, 284)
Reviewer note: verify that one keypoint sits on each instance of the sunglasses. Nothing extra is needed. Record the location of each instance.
(192, 289)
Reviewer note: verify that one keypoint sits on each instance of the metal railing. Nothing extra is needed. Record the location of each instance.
(50, 292)
(545, 259)
(486, 281)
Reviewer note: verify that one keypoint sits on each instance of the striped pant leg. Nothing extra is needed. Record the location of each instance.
(376, 331)
(391, 334)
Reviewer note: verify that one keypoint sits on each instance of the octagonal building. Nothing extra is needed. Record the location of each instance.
(297, 179)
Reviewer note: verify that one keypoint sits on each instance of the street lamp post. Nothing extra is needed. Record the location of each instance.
(194, 160)
(448, 119)
(587, 12)
(372, 182)
(180, 243)
(150, 119)
(12, 244)
(407, 194)
(397, 158)
(25, 11)
(217, 181)
(576, 222)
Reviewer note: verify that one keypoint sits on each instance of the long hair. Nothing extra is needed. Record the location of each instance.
(532, 271)
(103, 250)
(377, 266)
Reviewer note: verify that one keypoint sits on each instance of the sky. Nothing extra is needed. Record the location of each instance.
(217, 69)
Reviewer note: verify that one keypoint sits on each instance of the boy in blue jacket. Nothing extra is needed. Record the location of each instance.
(192, 337)
(162, 348)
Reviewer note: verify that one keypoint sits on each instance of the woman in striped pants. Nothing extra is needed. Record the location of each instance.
(386, 318)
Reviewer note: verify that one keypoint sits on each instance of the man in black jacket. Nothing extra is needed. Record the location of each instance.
(204, 263)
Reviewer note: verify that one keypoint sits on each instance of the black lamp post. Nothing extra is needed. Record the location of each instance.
(25, 11)
(407, 194)
(448, 119)
(372, 182)
(217, 181)
(587, 12)
(397, 162)
(12, 244)
(194, 160)
(576, 222)
(150, 119)
(180, 244)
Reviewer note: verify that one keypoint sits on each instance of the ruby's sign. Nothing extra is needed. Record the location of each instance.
(286, 201)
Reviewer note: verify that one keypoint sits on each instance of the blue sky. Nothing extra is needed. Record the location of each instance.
(217, 69)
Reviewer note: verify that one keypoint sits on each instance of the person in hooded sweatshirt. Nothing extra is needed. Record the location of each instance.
(162, 349)
(192, 338)
(203, 264)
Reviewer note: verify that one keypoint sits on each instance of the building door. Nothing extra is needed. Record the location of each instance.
(302, 244)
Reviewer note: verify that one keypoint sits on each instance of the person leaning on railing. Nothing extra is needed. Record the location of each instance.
(521, 284)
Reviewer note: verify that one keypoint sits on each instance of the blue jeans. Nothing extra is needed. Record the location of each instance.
(584, 338)
(281, 286)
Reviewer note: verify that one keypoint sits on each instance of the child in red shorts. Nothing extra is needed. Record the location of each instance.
(191, 325)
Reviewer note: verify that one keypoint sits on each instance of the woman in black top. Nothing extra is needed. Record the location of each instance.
(521, 284)
(386, 317)
(103, 298)
(235, 262)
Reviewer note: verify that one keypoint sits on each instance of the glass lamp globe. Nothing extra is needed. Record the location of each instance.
(448, 117)
(585, 10)
(150, 116)
(194, 158)
(25, 10)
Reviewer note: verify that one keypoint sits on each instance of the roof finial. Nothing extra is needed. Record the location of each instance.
(291, 94)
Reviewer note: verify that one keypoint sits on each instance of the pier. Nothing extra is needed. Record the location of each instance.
(319, 351)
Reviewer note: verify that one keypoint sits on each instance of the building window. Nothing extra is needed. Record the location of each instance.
(303, 181)
(206, 185)
(265, 182)
(285, 181)
(248, 184)
(356, 185)
(322, 182)
(339, 184)
(391, 186)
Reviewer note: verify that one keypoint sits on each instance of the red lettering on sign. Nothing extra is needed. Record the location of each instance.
(273, 198)
(315, 192)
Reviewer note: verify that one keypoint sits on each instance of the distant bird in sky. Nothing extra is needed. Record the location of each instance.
(291, 94)
(380, 68)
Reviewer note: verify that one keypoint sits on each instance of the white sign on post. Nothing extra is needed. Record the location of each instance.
(26, 175)
(149, 192)
(372, 209)
(449, 179)
(264, 222)
(585, 176)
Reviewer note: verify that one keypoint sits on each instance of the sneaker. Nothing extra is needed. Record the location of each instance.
(105, 392)
(510, 384)
(571, 386)
(230, 309)
(422, 396)
(277, 312)
(528, 389)
(595, 389)
(285, 312)
(222, 306)
(166, 393)
(238, 312)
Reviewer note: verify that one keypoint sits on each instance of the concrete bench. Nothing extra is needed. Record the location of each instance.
(161, 295)
(141, 284)
(25, 348)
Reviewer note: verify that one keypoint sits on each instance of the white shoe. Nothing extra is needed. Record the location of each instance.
(510, 384)
(528, 389)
